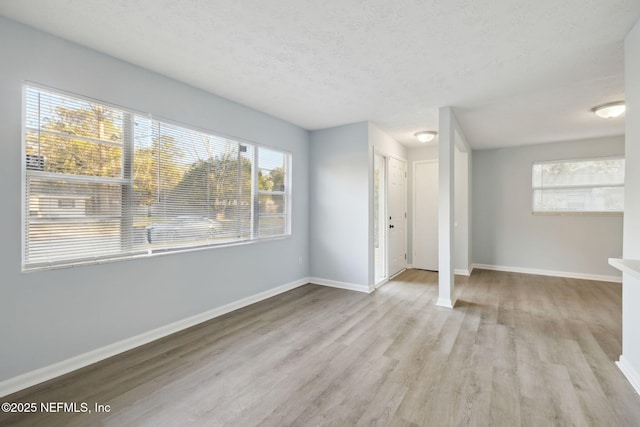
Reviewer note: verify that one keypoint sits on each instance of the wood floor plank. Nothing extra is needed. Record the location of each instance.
(505, 402)
(517, 350)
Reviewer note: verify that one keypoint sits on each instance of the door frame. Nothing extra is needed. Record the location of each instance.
(384, 199)
(406, 219)
(414, 195)
(375, 151)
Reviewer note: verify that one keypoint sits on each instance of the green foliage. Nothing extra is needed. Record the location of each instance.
(274, 181)
(163, 155)
(68, 142)
(216, 184)
(88, 141)
(96, 122)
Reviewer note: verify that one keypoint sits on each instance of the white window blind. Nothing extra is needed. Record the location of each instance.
(102, 183)
(593, 185)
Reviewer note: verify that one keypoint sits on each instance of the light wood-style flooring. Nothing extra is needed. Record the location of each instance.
(517, 350)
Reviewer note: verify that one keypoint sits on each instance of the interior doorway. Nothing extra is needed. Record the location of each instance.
(425, 215)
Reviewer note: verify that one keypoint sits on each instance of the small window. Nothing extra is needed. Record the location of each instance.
(272, 178)
(593, 185)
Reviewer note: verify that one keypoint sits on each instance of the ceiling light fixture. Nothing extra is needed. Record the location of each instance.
(610, 110)
(425, 135)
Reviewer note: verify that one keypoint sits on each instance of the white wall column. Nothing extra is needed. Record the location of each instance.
(629, 361)
(462, 204)
(446, 198)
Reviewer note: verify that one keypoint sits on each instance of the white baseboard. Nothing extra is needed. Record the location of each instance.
(46, 373)
(445, 302)
(341, 285)
(600, 278)
(630, 372)
(409, 266)
(398, 273)
(458, 271)
(385, 281)
(461, 272)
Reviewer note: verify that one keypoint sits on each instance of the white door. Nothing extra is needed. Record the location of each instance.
(397, 215)
(425, 229)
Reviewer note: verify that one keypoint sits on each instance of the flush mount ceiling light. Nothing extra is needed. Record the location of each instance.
(610, 110)
(425, 135)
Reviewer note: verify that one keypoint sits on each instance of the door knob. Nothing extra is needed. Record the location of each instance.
(390, 225)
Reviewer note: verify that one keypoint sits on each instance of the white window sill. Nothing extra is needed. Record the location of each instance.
(574, 213)
(152, 254)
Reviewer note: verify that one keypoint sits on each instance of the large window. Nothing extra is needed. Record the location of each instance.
(102, 183)
(594, 185)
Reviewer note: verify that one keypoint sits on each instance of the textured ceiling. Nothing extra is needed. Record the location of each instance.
(516, 72)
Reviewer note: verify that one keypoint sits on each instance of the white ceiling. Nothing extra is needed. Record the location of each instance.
(516, 71)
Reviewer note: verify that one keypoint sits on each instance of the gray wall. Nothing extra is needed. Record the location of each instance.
(506, 233)
(50, 316)
(384, 144)
(339, 204)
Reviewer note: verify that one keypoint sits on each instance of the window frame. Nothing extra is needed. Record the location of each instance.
(286, 195)
(126, 183)
(573, 212)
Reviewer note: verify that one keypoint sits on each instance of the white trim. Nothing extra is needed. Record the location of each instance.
(145, 254)
(629, 266)
(380, 283)
(46, 373)
(340, 285)
(572, 275)
(457, 271)
(398, 273)
(372, 207)
(630, 373)
(445, 302)
(409, 267)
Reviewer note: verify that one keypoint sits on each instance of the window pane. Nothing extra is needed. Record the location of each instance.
(47, 195)
(56, 113)
(599, 199)
(272, 226)
(181, 229)
(71, 136)
(272, 182)
(74, 156)
(70, 221)
(195, 187)
(537, 175)
(271, 159)
(579, 186)
(591, 172)
(72, 240)
(271, 170)
(272, 204)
